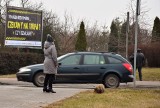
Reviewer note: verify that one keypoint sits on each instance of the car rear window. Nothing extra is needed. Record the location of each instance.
(113, 60)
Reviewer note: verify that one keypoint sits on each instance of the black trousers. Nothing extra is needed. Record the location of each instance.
(140, 72)
(48, 81)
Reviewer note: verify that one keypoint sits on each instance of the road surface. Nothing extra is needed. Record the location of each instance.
(14, 94)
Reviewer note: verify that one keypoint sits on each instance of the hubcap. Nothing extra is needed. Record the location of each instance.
(40, 79)
(112, 81)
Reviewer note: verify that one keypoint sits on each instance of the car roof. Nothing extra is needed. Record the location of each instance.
(89, 52)
(86, 52)
(113, 54)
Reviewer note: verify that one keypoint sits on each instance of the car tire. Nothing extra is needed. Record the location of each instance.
(111, 81)
(38, 79)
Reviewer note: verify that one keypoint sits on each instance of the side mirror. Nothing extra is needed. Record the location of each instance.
(59, 64)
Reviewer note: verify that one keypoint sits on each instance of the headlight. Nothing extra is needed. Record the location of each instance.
(24, 70)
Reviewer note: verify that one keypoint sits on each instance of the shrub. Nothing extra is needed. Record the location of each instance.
(10, 62)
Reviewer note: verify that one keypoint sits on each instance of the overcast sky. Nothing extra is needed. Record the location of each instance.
(102, 11)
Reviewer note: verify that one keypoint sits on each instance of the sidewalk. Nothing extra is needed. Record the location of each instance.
(143, 84)
(32, 97)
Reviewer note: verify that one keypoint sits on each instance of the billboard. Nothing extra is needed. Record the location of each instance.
(23, 28)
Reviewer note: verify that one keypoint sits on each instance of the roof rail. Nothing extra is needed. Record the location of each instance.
(103, 52)
(107, 52)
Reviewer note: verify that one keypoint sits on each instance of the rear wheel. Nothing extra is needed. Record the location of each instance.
(111, 81)
(38, 79)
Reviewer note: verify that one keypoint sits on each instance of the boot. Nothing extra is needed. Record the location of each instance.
(45, 89)
(51, 90)
(140, 79)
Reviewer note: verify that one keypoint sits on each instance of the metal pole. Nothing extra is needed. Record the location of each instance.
(118, 41)
(127, 32)
(0, 25)
(135, 45)
(0, 12)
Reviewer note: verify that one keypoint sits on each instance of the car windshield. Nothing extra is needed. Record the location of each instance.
(60, 57)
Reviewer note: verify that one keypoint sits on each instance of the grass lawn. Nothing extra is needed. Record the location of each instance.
(112, 98)
(117, 98)
(8, 76)
(150, 74)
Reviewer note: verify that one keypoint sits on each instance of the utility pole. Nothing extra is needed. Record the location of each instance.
(0, 9)
(127, 32)
(118, 40)
(0, 25)
(0, 12)
(136, 33)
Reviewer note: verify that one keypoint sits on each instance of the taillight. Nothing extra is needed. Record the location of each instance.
(128, 67)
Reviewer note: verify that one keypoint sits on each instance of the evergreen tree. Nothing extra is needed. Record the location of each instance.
(156, 30)
(81, 42)
(122, 40)
(113, 39)
(123, 30)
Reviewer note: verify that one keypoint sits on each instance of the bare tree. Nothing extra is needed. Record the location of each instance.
(97, 40)
(143, 18)
(30, 5)
(67, 34)
(144, 24)
(24, 3)
(64, 32)
(3, 5)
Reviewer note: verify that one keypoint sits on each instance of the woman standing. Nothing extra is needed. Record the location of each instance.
(50, 64)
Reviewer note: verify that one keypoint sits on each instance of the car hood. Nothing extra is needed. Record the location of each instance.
(34, 66)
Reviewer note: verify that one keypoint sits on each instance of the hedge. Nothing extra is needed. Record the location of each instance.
(151, 52)
(11, 62)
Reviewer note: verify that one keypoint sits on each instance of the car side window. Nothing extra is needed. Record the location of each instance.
(71, 60)
(94, 59)
(114, 60)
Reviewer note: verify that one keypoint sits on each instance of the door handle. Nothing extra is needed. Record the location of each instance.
(102, 68)
(75, 68)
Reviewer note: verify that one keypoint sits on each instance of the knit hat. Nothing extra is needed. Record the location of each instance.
(49, 38)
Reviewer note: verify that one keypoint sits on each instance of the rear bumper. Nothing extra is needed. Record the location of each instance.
(127, 78)
(131, 76)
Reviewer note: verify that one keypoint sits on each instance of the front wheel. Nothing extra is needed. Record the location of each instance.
(111, 81)
(38, 79)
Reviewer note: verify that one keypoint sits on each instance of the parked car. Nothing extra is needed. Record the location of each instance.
(109, 69)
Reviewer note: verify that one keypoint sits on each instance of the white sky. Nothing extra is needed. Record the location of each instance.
(102, 11)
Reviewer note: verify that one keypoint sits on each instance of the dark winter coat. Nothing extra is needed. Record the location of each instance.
(140, 59)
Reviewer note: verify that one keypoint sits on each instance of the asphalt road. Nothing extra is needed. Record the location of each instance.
(14, 94)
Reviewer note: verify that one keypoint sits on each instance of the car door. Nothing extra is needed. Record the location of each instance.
(70, 69)
(94, 66)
